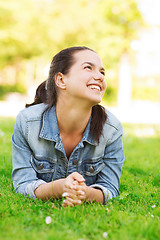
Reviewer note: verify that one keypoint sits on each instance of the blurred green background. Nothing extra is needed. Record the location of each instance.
(33, 31)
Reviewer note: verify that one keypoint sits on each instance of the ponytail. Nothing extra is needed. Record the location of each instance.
(40, 96)
(98, 120)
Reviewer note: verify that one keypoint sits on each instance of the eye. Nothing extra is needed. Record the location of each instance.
(103, 73)
(88, 67)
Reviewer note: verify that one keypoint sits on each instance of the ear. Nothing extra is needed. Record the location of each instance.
(59, 80)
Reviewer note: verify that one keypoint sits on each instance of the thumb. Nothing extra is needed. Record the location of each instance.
(78, 177)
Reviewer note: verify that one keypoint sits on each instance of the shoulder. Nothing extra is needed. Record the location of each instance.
(32, 113)
(112, 128)
(112, 121)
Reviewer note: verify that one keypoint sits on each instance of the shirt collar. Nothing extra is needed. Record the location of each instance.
(50, 130)
(87, 136)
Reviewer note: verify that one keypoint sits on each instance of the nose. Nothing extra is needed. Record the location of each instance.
(98, 76)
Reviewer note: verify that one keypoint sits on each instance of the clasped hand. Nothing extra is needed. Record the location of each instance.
(74, 189)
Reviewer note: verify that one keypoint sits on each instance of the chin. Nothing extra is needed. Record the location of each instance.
(96, 101)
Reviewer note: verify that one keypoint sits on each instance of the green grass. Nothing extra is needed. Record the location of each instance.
(131, 216)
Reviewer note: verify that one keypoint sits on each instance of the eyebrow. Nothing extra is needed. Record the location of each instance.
(92, 64)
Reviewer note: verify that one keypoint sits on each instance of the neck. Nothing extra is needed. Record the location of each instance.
(72, 118)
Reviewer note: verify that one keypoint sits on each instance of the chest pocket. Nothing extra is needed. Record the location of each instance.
(91, 169)
(44, 168)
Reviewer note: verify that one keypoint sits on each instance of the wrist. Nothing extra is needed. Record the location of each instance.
(93, 194)
(87, 192)
(60, 186)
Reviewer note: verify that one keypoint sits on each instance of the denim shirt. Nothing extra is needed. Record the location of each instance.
(39, 155)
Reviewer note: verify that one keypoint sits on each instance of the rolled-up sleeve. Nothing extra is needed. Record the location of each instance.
(106, 193)
(31, 187)
(24, 177)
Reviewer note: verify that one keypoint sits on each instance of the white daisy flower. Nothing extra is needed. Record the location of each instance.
(105, 234)
(48, 220)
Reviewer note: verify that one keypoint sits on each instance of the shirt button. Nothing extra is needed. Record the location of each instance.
(75, 162)
(91, 169)
(40, 167)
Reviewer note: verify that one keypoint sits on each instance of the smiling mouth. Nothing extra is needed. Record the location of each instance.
(96, 87)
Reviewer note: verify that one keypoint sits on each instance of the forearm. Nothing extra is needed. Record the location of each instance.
(93, 194)
(50, 190)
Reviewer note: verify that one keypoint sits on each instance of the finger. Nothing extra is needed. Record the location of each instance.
(75, 182)
(76, 185)
(71, 185)
(78, 177)
(80, 193)
(67, 203)
(80, 188)
(73, 196)
(70, 192)
(82, 184)
(65, 194)
(74, 201)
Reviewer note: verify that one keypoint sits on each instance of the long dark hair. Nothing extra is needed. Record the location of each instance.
(47, 90)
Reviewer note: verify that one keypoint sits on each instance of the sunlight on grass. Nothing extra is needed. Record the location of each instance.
(142, 130)
(135, 214)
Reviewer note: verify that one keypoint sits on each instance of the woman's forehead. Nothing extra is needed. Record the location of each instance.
(87, 56)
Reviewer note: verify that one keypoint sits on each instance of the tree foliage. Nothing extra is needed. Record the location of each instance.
(30, 28)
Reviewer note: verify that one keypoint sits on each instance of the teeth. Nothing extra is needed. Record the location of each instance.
(95, 87)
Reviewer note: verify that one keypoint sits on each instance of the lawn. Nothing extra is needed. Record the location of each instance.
(134, 215)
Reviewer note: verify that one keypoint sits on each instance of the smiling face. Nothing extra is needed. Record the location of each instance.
(85, 79)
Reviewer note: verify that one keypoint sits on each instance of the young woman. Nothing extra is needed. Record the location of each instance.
(64, 143)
